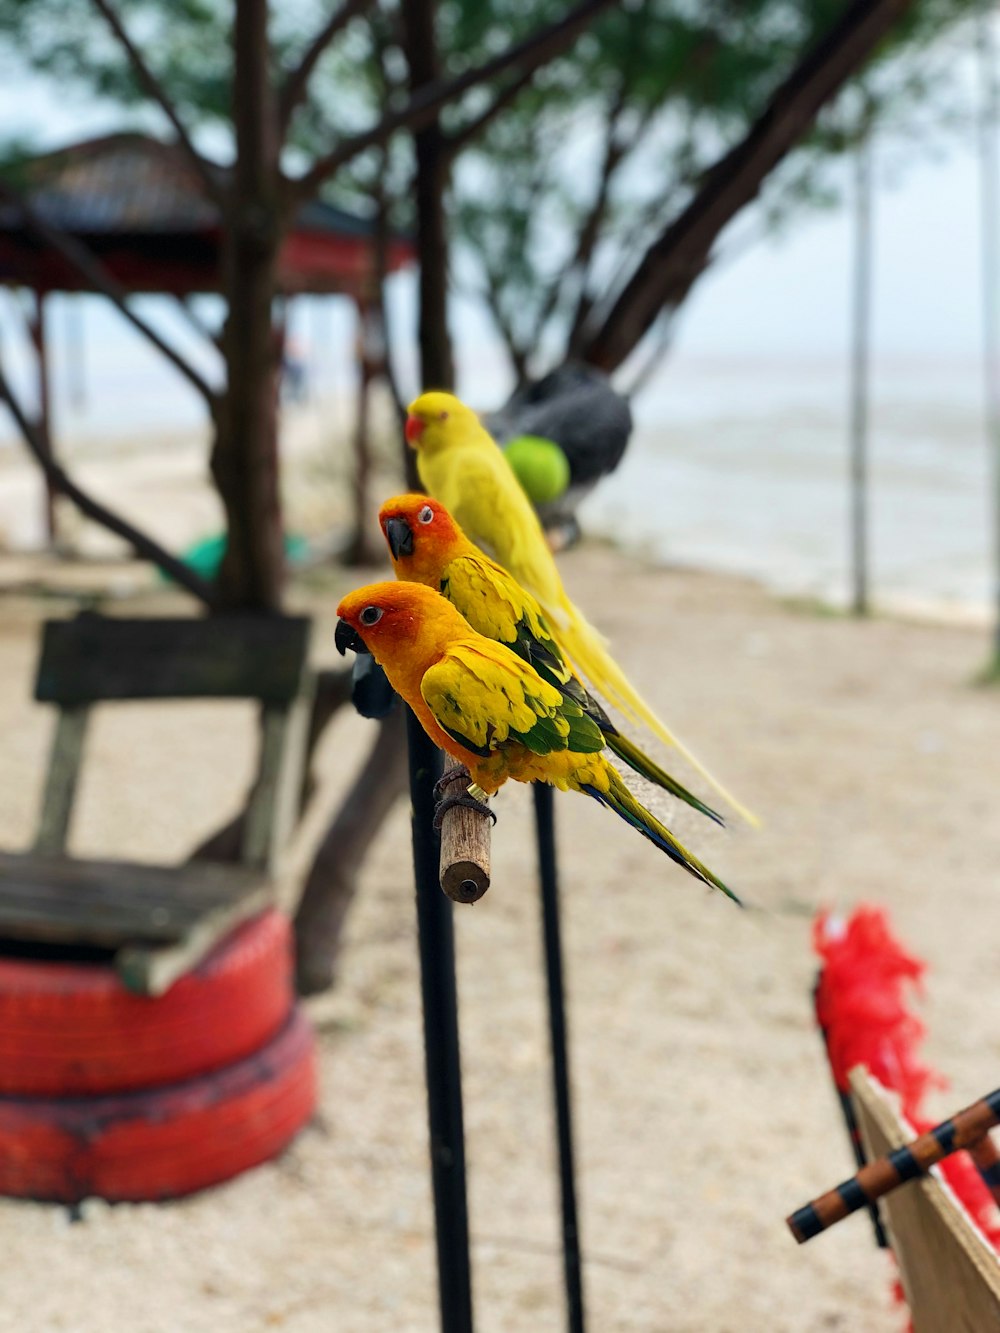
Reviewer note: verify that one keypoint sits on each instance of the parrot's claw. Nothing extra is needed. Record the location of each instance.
(449, 776)
(468, 800)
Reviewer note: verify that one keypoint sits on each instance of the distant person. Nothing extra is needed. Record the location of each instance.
(295, 372)
(561, 435)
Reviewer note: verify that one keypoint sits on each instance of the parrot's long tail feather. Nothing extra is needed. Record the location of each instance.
(630, 753)
(619, 799)
(588, 651)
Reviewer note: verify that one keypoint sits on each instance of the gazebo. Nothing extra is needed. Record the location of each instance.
(138, 206)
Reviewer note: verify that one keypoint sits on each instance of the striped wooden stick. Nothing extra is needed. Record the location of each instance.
(882, 1176)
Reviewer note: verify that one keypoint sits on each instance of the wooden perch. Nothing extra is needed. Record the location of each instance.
(465, 847)
(964, 1130)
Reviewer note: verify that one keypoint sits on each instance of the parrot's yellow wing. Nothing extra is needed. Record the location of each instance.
(484, 699)
(496, 606)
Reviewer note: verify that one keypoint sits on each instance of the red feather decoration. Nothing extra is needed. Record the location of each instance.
(863, 994)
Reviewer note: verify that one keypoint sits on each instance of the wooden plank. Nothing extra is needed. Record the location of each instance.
(191, 879)
(950, 1273)
(95, 657)
(152, 970)
(109, 903)
(60, 784)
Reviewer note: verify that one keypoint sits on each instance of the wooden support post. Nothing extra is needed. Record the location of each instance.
(370, 363)
(860, 342)
(989, 171)
(37, 329)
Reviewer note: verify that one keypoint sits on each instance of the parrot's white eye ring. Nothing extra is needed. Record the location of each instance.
(426, 514)
(371, 615)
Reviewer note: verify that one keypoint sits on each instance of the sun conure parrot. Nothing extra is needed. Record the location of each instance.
(427, 546)
(490, 709)
(461, 466)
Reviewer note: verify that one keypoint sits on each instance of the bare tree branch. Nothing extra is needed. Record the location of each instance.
(144, 546)
(460, 139)
(424, 105)
(296, 84)
(155, 90)
(682, 252)
(90, 268)
(492, 295)
(586, 242)
(183, 304)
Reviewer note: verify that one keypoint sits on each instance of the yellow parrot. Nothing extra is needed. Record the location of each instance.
(462, 466)
(427, 546)
(489, 709)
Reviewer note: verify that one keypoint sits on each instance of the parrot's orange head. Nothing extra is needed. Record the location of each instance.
(422, 536)
(388, 619)
(436, 419)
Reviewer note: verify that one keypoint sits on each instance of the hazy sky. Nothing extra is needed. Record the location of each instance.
(785, 297)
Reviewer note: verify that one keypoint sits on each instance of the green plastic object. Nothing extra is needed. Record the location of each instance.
(540, 466)
(205, 556)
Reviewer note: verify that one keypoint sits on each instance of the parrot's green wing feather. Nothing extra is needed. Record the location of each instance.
(486, 699)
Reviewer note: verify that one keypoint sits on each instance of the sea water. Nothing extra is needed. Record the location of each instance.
(742, 466)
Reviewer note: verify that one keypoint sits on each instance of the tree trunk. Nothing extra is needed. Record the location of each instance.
(245, 454)
(437, 369)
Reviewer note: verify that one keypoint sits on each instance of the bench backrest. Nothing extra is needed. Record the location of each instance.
(93, 659)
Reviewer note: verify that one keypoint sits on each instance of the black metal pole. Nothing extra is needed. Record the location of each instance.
(441, 1048)
(548, 874)
(853, 1128)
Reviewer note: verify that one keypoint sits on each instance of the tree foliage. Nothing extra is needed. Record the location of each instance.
(554, 201)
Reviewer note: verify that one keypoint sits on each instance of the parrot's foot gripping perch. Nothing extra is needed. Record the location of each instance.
(472, 798)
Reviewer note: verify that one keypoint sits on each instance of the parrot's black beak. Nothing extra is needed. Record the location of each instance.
(346, 637)
(399, 535)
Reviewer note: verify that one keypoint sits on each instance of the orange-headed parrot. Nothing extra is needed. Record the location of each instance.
(489, 708)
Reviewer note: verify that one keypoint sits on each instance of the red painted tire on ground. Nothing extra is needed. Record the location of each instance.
(73, 1028)
(163, 1143)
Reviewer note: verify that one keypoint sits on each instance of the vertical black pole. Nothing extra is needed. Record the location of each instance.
(851, 1121)
(548, 874)
(989, 167)
(441, 1049)
(860, 357)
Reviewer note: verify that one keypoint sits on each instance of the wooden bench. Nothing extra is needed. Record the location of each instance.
(158, 921)
(950, 1274)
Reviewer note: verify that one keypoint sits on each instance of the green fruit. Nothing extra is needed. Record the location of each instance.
(540, 466)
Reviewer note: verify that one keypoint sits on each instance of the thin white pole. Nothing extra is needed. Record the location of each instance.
(860, 360)
(989, 174)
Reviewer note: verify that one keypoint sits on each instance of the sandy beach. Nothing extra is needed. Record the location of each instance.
(703, 1105)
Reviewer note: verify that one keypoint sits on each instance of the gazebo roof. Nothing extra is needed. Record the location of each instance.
(141, 206)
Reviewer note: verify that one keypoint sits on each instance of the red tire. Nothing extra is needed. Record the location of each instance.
(163, 1143)
(73, 1028)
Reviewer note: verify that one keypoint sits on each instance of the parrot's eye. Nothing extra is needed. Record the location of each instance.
(442, 416)
(371, 615)
(426, 514)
